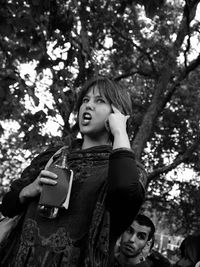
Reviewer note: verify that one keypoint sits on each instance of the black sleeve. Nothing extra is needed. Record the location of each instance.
(126, 191)
(11, 205)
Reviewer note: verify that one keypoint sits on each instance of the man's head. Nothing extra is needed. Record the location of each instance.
(136, 237)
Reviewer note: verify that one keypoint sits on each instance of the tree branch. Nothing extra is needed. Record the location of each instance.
(136, 46)
(193, 65)
(133, 72)
(188, 15)
(158, 103)
(153, 111)
(179, 159)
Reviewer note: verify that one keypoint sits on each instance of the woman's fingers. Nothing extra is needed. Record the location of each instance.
(35, 188)
(48, 181)
(115, 110)
(127, 117)
(49, 174)
(47, 177)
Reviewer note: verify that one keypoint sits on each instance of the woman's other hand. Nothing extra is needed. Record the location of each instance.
(35, 188)
(117, 125)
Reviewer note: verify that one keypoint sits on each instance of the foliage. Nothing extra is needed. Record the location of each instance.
(67, 42)
(186, 220)
(178, 214)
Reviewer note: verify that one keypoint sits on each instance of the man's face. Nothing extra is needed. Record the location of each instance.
(134, 239)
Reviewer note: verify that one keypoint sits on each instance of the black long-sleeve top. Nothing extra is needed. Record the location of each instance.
(106, 181)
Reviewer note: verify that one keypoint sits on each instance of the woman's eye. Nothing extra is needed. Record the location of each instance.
(100, 100)
(85, 100)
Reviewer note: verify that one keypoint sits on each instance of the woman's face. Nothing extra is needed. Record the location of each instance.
(93, 114)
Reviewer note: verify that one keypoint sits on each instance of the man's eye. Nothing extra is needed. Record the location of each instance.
(129, 231)
(141, 236)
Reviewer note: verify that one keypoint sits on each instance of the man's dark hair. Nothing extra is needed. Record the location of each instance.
(146, 221)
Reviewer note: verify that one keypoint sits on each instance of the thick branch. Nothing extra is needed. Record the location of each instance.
(158, 102)
(188, 16)
(193, 65)
(186, 71)
(179, 159)
(140, 72)
(152, 113)
(136, 46)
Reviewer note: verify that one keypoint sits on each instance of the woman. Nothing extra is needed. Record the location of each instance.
(106, 191)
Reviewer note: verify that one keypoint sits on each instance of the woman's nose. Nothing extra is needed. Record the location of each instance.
(90, 105)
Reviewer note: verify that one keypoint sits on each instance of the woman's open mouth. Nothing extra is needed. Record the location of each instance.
(86, 118)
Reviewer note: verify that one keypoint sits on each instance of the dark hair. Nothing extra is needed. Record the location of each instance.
(144, 220)
(152, 242)
(158, 260)
(190, 248)
(114, 92)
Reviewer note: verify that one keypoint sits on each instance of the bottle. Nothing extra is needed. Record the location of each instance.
(54, 197)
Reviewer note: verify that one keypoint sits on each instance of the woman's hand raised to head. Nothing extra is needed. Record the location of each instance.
(35, 188)
(117, 124)
(117, 121)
